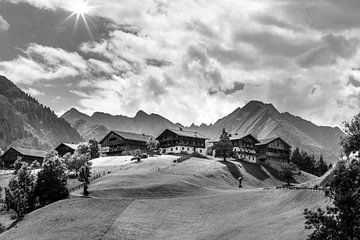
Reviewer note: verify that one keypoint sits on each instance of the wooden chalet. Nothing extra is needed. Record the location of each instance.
(273, 149)
(28, 155)
(244, 146)
(117, 143)
(178, 141)
(65, 148)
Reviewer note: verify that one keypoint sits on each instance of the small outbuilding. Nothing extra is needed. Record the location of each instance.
(65, 148)
(28, 155)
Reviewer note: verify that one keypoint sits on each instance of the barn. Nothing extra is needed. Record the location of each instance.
(64, 148)
(117, 143)
(28, 155)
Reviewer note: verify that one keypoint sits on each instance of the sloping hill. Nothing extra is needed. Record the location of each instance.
(160, 199)
(25, 122)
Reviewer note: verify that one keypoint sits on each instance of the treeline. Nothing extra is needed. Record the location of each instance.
(307, 162)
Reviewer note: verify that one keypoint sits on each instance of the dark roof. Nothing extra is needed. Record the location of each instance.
(186, 133)
(30, 152)
(70, 145)
(235, 137)
(266, 141)
(129, 136)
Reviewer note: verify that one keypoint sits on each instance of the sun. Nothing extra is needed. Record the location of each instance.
(80, 7)
(81, 10)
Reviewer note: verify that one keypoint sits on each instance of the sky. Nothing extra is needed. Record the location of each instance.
(192, 61)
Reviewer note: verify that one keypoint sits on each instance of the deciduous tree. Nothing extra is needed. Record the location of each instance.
(51, 183)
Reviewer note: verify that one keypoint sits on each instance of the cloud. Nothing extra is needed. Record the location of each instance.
(34, 92)
(275, 44)
(43, 63)
(354, 82)
(237, 86)
(4, 25)
(328, 53)
(273, 21)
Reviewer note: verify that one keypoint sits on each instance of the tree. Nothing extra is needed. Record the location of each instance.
(84, 177)
(94, 148)
(18, 164)
(51, 183)
(79, 158)
(341, 219)
(152, 144)
(19, 195)
(351, 141)
(224, 146)
(321, 167)
(287, 172)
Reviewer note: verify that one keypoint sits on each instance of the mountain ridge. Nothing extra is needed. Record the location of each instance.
(260, 119)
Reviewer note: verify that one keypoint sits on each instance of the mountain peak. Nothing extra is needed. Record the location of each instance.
(73, 113)
(141, 114)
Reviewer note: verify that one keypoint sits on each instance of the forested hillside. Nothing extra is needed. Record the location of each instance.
(27, 123)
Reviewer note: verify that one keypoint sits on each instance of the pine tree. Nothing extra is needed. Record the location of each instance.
(224, 146)
(94, 148)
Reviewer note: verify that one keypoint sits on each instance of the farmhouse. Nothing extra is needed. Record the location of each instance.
(65, 148)
(273, 150)
(119, 143)
(27, 155)
(181, 141)
(244, 146)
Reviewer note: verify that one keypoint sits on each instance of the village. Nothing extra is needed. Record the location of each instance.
(170, 141)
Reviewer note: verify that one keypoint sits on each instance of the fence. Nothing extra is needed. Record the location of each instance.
(93, 178)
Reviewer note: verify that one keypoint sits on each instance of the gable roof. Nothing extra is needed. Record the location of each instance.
(266, 141)
(128, 136)
(29, 152)
(235, 137)
(185, 133)
(70, 145)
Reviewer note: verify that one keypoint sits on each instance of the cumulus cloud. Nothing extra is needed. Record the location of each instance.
(188, 56)
(4, 25)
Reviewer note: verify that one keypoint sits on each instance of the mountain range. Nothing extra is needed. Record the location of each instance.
(257, 118)
(24, 122)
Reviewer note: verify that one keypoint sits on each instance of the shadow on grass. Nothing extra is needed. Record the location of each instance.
(233, 169)
(277, 174)
(255, 170)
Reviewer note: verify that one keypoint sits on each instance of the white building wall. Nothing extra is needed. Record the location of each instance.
(179, 149)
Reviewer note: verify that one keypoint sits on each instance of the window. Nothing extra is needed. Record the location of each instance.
(171, 149)
(176, 148)
(182, 148)
(200, 151)
(188, 149)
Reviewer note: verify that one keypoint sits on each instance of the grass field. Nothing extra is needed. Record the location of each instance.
(159, 199)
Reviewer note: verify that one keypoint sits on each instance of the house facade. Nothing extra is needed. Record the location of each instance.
(273, 150)
(65, 148)
(28, 155)
(178, 141)
(244, 147)
(117, 143)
